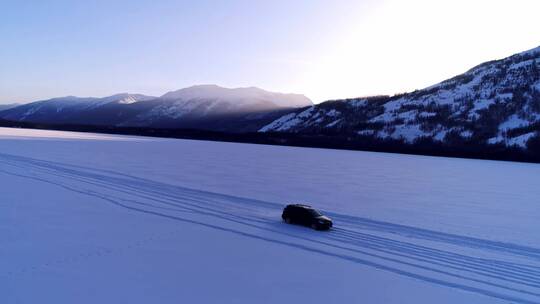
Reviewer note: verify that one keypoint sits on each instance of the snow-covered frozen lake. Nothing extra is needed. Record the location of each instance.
(90, 218)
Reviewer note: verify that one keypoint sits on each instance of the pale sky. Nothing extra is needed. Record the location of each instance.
(321, 48)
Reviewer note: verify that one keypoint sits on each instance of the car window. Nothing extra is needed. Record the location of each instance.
(313, 212)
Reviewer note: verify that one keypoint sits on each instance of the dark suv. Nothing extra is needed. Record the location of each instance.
(307, 216)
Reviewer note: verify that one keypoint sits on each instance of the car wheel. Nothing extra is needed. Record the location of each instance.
(314, 226)
(288, 220)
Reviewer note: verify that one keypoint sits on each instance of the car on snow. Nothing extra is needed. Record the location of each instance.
(307, 216)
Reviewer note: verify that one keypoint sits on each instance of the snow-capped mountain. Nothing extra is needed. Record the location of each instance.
(239, 97)
(497, 102)
(203, 107)
(71, 109)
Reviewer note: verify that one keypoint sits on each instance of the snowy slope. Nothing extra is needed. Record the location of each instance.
(91, 218)
(495, 102)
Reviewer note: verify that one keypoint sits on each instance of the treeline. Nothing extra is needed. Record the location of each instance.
(461, 148)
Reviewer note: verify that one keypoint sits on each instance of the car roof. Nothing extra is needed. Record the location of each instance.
(299, 206)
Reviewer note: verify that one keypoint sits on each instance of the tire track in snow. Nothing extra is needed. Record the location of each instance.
(157, 199)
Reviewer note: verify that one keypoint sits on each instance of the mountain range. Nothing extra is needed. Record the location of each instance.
(495, 105)
(207, 107)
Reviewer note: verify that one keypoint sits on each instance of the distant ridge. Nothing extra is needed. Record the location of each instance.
(8, 106)
(208, 107)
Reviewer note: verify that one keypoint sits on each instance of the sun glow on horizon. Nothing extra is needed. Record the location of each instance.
(324, 50)
(406, 45)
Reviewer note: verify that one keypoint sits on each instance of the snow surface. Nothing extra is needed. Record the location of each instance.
(88, 218)
(427, 114)
(521, 140)
(333, 113)
(408, 132)
(29, 134)
(513, 122)
(440, 135)
(333, 123)
(366, 132)
(482, 104)
(466, 134)
(391, 116)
